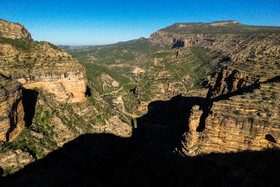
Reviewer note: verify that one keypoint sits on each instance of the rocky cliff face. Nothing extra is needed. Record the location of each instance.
(244, 111)
(54, 71)
(13, 30)
(11, 107)
(176, 40)
(241, 110)
(34, 65)
(191, 34)
(240, 123)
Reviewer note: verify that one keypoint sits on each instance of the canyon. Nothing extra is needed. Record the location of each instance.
(191, 98)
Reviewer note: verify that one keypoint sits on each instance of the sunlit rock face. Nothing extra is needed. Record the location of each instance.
(13, 30)
(65, 81)
(29, 65)
(45, 67)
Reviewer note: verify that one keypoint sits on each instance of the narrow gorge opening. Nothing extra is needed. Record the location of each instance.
(29, 104)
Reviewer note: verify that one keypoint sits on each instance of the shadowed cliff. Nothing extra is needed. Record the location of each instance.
(148, 158)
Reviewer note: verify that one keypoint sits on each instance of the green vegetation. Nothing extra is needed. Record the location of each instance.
(164, 54)
(25, 144)
(201, 54)
(54, 46)
(23, 44)
(109, 54)
(184, 71)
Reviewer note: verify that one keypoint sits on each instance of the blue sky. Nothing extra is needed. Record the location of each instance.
(91, 22)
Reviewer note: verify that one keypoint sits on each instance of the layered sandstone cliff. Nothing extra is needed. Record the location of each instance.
(240, 113)
(177, 40)
(34, 65)
(11, 107)
(47, 68)
(13, 30)
(234, 125)
(191, 34)
(241, 110)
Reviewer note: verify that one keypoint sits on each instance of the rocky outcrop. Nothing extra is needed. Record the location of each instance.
(15, 158)
(52, 70)
(11, 107)
(66, 82)
(176, 40)
(192, 136)
(13, 30)
(29, 65)
(241, 116)
(234, 125)
(228, 80)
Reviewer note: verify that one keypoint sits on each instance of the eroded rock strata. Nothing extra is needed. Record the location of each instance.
(47, 68)
(215, 132)
(242, 122)
(30, 65)
(242, 94)
(11, 107)
(13, 30)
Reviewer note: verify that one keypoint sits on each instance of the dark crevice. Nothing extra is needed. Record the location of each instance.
(29, 104)
(240, 83)
(88, 92)
(5, 76)
(225, 59)
(13, 116)
(270, 138)
(206, 108)
(1, 172)
(134, 91)
(216, 87)
(272, 80)
(230, 80)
